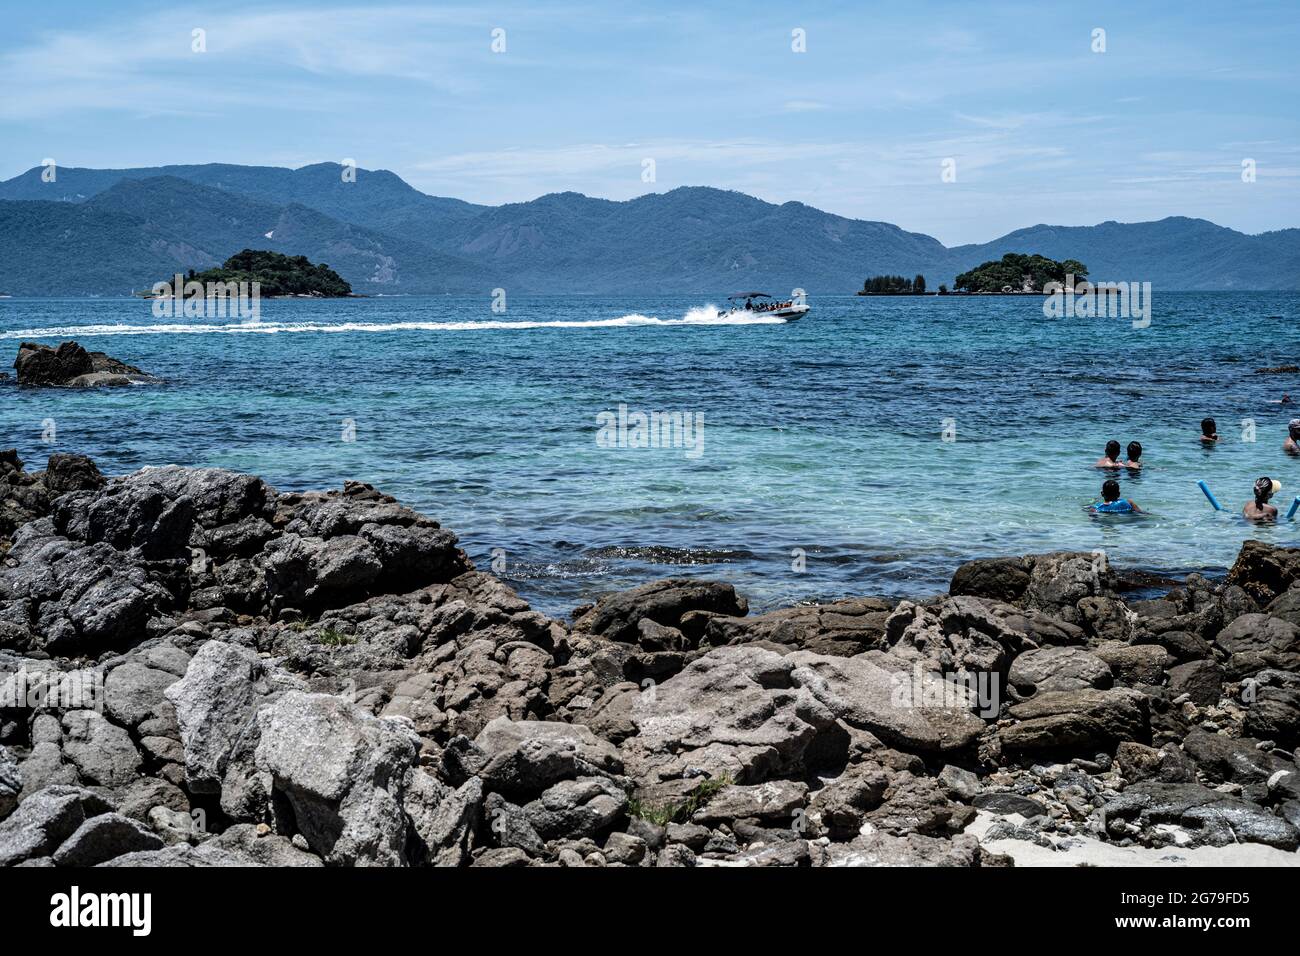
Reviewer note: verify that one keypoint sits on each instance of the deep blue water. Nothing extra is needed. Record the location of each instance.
(825, 435)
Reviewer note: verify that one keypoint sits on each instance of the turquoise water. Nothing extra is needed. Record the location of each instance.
(825, 435)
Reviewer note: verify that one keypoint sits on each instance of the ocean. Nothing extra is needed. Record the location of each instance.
(868, 449)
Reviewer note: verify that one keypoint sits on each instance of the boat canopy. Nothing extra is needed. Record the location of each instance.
(750, 295)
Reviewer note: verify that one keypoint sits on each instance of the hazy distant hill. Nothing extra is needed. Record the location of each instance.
(106, 231)
(138, 231)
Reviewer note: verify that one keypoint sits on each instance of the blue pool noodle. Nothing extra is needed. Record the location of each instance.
(1295, 503)
(1209, 494)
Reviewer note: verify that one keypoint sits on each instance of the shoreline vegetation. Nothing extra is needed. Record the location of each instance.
(274, 274)
(190, 643)
(1013, 274)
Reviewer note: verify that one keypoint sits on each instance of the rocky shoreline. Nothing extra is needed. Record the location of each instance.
(196, 670)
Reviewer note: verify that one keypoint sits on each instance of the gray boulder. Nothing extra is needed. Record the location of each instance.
(1058, 668)
(44, 820)
(573, 809)
(527, 756)
(102, 751)
(344, 772)
(906, 707)
(103, 837)
(736, 712)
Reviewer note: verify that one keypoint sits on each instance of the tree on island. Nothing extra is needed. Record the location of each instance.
(1016, 272)
(277, 274)
(893, 285)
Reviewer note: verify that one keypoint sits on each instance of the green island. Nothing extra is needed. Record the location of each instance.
(1018, 274)
(277, 274)
(893, 285)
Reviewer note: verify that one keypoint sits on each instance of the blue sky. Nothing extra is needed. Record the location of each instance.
(1041, 128)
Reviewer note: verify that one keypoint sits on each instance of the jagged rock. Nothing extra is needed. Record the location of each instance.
(1060, 580)
(509, 825)
(1058, 668)
(774, 800)
(1137, 663)
(65, 473)
(133, 691)
(1000, 579)
(616, 616)
(1256, 641)
(572, 809)
(1202, 681)
(1226, 759)
(1215, 818)
(103, 837)
(343, 772)
(1006, 803)
(839, 809)
(1275, 715)
(1265, 571)
(1138, 762)
(840, 629)
(443, 820)
(903, 706)
(624, 848)
(11, 782)
(216, 710)
(102, 751)
(961, 635)
(1082, 721)
(44, 820)
(913, 849)
(260, 848)
(736, 713)
(68, 364)
(526, 757)
(65, 597)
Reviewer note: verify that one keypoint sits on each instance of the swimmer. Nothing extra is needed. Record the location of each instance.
(1260, 509)
(1292, 444)
(1112, 503)
(1111, 458)
(1209, 431)
(1134, 453)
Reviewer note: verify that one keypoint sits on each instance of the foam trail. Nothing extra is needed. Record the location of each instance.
(701, 315)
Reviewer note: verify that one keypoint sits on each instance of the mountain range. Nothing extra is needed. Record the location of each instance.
(112, 231)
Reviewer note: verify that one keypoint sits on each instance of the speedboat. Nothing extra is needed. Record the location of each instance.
(760, 303)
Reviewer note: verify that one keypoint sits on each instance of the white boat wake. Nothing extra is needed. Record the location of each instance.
(702, 315)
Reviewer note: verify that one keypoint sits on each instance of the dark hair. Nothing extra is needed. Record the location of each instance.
(1134, 450)
(1112, 449)
(1208, 427)
(1263, 489)
(1110, 490)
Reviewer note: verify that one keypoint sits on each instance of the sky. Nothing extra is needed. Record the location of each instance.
(961, 120)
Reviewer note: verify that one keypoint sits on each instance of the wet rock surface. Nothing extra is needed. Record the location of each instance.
(196, 670)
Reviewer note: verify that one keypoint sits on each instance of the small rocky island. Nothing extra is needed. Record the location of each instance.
(233, 676)
(71, 366)
(276, 275)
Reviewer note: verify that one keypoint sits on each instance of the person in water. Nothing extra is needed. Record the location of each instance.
(1292, 444)
(1111, 503)
(1260, 509)
(1111, 458)
(1134, 456)
(1209, 431)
